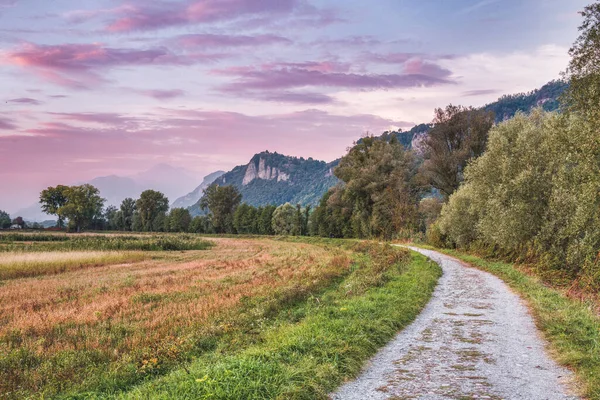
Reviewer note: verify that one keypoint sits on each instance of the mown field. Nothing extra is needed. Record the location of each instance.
(181, 316)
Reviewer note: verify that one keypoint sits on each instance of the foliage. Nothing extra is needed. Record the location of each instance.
(52, 199)
(82, 206)
(127, 209)
(40, 243)
(429, 211)
(201, 224)
(380, 195)
(221, 201)
(534, 193)
(285, 221)
(152, 207)
(584, 69)
(179, 220)
(113, 218)
(245, 219)
(459, 134)
(5, 220)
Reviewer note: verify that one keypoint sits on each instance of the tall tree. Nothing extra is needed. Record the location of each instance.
(4, 220)
(285, 220)
(179, 220)
(152, 207)
(127, 210)
(459, 134)
(245, 219)
(113, 218)
(583, 72)
(82, 206)
(52, 199)
(222, 202)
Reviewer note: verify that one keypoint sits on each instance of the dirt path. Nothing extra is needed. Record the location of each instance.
(474, 340)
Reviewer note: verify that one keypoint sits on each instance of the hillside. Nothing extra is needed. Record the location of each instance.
(193, 197)
(272, 178)
(547, 97)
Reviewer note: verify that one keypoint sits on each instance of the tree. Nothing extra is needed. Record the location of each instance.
(179, 220)
(201, 224)
(245, 219)
(583, 95)
(380, 194)
(222, 202)
(19, 221)
(264, 218)
(127, 211)
(152, 207)
(285, 220)
(459, 134)
(83, 205)
(52, 199)
(5, 220)
(113, 218)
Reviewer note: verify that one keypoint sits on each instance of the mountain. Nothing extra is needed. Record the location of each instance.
(547, 97)
(171, 181)
(272, 178)
(193, 197)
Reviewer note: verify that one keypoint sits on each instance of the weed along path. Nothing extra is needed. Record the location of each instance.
(474, 340)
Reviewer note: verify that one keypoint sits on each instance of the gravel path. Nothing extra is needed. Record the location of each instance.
(474, 340)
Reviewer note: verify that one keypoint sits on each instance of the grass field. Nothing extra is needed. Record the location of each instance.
(571, 326)
(96, 317)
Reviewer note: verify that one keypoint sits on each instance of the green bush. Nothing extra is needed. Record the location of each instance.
(534, 194)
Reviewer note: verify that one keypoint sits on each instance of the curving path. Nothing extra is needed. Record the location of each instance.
(474, 340)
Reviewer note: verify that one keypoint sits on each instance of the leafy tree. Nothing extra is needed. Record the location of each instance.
(113, 218)
(5, 220)
(127, 210)
(245, 219)
(222, 202)
(332, 217)
(534, 193)
(52, 199)
(179, 220)
(265, 216)
(83, 204)
(136, 222)
(201, 224)
(19, 221)
(583, 72)
(152, 207)
(459, 134)
(380, 193)
(285, 220)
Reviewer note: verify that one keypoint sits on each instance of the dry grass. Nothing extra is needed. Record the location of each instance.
(20, 265)
(123, 314)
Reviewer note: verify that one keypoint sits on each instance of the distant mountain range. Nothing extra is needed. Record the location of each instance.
(192, 198)
(171, 181)
(272, 178)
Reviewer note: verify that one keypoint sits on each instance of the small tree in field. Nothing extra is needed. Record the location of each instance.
(285, 220)
(152, 207)
(52, 199)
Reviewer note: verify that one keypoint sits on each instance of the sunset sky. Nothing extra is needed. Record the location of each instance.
(99, 87)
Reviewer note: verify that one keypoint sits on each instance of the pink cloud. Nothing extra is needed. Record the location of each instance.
(288, 76)
(479, 92)
(160, 94)
(26, 100)
(296, 97)
(161, 14)
(211, 40)
(76, 65)
(7, 124)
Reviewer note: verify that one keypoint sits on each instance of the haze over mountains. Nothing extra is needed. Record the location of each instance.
(273, 178)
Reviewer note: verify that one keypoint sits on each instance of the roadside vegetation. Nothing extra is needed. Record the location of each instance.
(254, 317)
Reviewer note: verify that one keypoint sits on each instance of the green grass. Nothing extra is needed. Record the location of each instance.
(301, 347)
(570, 326)
(158, 242)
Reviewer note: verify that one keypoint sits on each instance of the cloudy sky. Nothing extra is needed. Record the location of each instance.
(114, 86)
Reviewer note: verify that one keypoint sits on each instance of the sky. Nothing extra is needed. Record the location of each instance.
(107, 87)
